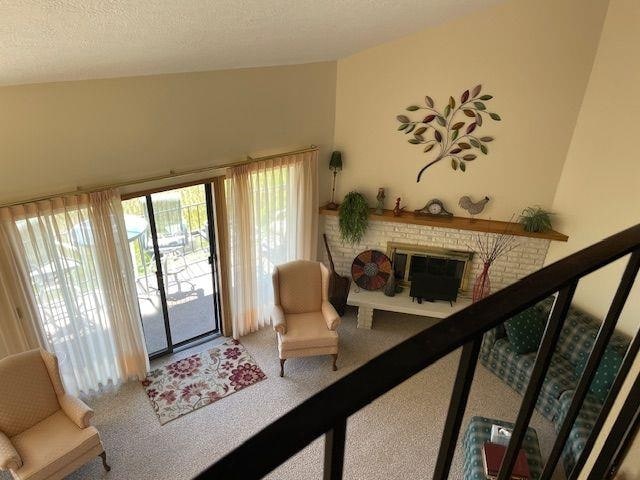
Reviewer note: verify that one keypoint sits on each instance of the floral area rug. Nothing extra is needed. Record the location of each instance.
(193, 382)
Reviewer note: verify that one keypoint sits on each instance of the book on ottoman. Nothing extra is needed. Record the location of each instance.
(492, 458)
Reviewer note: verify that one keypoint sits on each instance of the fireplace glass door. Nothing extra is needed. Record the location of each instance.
(411, 260)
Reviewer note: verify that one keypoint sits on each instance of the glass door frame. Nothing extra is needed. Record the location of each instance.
(216, 331)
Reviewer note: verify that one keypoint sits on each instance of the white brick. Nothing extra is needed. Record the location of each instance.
(527, 257)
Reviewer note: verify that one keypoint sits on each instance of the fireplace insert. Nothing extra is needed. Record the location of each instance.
(411, 260)
(435, 278)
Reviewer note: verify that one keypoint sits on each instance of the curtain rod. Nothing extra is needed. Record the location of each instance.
(269, 157)
(172, 174)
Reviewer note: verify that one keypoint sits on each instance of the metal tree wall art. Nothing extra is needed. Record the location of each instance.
(450, 131)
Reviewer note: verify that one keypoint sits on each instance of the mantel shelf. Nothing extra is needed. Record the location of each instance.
(458, 223)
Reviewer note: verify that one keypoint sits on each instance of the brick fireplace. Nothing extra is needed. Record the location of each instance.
(526, 258)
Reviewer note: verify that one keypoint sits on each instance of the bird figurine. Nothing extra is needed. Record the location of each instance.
(380, 197)
(474, 208)
(397, 210)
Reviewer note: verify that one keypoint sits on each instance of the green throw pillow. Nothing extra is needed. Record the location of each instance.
(606, 373)
(525, 330)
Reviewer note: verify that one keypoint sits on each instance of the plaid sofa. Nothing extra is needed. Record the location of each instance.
(576, 340)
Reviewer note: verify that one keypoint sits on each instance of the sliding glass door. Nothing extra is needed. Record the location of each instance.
(173, 247)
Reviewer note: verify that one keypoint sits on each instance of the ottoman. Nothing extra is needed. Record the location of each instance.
(478, 432)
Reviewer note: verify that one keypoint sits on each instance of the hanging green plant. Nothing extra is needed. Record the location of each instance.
(353, 216)
(535, 219)
(451, 132)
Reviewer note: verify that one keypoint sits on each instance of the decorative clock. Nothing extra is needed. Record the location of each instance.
(434, 208)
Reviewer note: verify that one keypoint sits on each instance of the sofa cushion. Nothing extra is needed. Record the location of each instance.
(307, 330)
(581, 429)
(560, 377)
(51, 444)
(605, 374)
(516, 369)
(525, 330)
(513, 368)
(577, 337)
(579, 332)
(488, 340)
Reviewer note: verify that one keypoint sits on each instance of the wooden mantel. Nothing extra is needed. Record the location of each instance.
(458, 223)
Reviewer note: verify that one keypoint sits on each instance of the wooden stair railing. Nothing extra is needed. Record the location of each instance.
(327, 411)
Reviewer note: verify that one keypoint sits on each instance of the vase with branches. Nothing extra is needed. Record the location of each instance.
(452, 130)
(489, 248)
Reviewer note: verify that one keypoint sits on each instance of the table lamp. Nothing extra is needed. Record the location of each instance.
(335, 165)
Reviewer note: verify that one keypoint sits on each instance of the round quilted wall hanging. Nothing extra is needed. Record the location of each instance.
(371, 270)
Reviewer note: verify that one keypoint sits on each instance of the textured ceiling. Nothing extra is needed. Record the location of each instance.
(55, 40)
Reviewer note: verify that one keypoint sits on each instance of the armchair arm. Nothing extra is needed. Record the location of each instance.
(76, 410)
(9, 456)
(277, 319)
(330, 315)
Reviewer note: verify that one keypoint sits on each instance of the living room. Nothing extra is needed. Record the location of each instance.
(161, 162)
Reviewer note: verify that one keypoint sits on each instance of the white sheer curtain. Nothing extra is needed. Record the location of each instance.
(118, 286)
(19, 328)
(273, 218)
(73, 252)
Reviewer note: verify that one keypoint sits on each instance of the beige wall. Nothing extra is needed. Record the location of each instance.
(534, 57)
(56, 136)
(599, 190)
(630, 468)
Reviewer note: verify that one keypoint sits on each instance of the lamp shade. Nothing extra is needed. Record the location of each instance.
(336, 161)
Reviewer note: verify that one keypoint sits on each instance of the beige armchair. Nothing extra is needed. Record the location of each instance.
(302, 316)
(44, 432)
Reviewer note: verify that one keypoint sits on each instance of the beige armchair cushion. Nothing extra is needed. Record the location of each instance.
(307, 330)
(9, 456)
(50, 445)
(330, 315)
(77, 411)
(51, 362)
(299, 286)
(277, 319)
(31, 397)
(44, 432)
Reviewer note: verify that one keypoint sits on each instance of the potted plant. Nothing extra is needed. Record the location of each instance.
(353, 216)
(535, 219)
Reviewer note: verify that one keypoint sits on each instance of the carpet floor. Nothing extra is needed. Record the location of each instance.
(397, 436)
